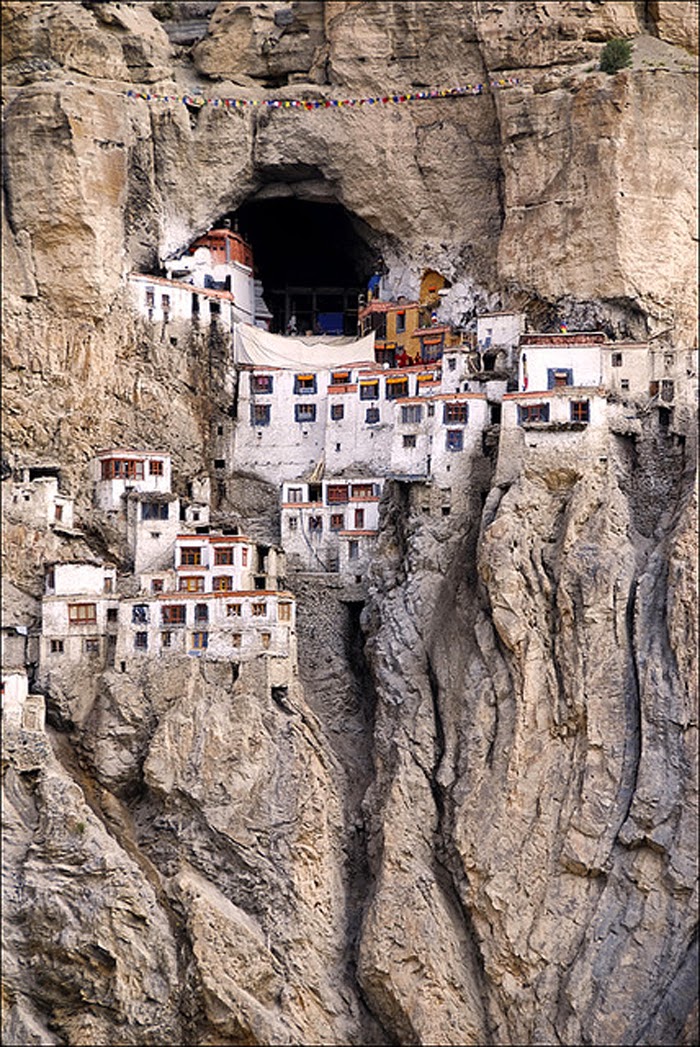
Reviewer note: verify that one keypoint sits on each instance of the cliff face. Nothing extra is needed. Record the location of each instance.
(473, 818)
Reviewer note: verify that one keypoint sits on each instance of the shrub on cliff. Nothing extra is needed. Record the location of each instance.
(616, 55)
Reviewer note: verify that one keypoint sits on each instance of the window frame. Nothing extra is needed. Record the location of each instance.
(455, 414)
(305, 385)
(168, 618)
(580, 411)
(304, 413)
(260, 414)
(262, 384)
(454, 440)
(411, 414)
(75, 618)
(190, 556)
(191, 583)
(529, 414)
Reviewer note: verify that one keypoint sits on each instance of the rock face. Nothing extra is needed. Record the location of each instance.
(472, 818)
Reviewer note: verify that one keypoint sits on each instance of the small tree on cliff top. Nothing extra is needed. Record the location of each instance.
(617, 54)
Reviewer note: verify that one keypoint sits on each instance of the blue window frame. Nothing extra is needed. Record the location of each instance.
(559, 376)
(305, 412)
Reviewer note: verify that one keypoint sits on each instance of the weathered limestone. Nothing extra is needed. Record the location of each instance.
(479, 826)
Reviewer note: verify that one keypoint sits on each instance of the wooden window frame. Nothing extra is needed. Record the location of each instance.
(76, 617)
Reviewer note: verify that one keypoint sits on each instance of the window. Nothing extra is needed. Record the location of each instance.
(219, 463)
(533, 413)
(122, 469)
(400, 322)
(372, 415)
(412, 413)
(353, 550)
(91, 646)
(557, 377)
(340, 377)
(292, 523)
(223, 583)
(580, 411)
(369, 390)
(266, 638)
(50, 578)
(244, 556)
(56, 646)
(58, 513)
(200, 641)
(139, 613)
(80, 613)
(625, 385)
(109, 584)
(233, 610)
(259, 610)
(166, 639)
(224, 556)
(305, 383)
(112, 614)
(454, 440)
(337, 521)
(155, 468)
(214, 308)
(451, 363)
(141, 641)
(191, 583)
(154, 510)
(284, 612)
(616, 359)
(336, 494)
(295, 494)
(262, 383)
(362, 490)
(409, 440)
(191, 556)
(455, 413)
(156, 585)
(173, 614)
(359, 519)
(201, 612)
(305, 412)
(396, 388)
(260, 414)
(150, 297)
(667, 390)
(337, 412)
(235, 639)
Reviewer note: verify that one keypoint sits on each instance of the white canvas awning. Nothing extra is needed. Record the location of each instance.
(259, 348)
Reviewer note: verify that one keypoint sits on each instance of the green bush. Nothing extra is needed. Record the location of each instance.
(617, 54)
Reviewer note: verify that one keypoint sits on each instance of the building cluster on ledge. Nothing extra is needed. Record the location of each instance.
(328, 421)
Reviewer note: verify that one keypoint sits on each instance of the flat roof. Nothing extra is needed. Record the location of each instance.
(162, 280)
(131, 453)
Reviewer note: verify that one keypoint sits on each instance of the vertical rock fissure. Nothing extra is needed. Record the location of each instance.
(633, 734)
(447, 866)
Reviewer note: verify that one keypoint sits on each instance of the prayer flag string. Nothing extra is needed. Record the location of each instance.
(330, 103)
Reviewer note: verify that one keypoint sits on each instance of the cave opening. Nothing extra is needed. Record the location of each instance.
(313, 260)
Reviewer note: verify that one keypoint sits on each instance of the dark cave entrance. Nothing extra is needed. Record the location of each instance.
(313, 259)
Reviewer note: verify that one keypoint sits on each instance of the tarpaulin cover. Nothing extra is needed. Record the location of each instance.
(259, 348)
